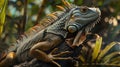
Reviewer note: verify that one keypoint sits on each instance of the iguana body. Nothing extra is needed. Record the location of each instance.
(48, 35)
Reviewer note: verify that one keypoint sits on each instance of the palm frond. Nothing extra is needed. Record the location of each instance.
(108, 57)
(104, 51)
(115, 60)
(101, 57)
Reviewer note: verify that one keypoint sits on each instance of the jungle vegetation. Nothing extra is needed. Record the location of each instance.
(17, 16)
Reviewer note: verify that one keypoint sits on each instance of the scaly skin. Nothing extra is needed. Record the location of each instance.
(39, 43)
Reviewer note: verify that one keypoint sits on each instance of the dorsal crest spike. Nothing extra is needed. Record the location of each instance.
(53, 16)
(67, 4)
(48, 20)
(43, 24)
(17, 41)
(61, 8)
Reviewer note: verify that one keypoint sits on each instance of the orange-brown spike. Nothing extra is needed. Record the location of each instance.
(61, 8)
(64, 2)
(32, 29)
(35, 27)
(42, 24)
(48, 20)
(53, 16)
(67, 4)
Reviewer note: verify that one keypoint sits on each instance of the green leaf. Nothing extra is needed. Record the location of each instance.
(1, 3)
(107, 58)
(82, 58)
(104, 51)
(30, 1)
(78, 2)
(115, 60)
(96, 49)
(2, 15)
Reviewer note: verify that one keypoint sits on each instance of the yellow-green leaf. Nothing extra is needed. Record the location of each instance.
(1, 3)
(107, 58)
(1, 28)
(104, 51)
(81, 58)
(2, 15)
(96, 49)
(115, 60)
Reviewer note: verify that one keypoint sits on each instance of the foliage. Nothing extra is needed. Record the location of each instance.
(101, 57)
(37, 9)
(3, 5)
(108, 28)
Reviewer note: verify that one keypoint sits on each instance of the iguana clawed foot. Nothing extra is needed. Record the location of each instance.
(51, 57)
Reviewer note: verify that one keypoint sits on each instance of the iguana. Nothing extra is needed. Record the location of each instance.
(52, 31)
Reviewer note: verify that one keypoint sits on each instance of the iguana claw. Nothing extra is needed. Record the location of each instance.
(52, 56)
(57, 56)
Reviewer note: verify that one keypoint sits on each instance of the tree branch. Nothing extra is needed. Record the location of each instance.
(40, 11)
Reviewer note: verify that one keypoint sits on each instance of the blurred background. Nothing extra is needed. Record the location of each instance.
(23, 14)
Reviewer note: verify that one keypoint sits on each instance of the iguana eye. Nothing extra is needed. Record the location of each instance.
(83, 9)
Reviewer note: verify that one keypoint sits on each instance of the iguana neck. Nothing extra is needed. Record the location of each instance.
(58, 27)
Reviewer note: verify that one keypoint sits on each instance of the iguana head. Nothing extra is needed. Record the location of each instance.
(80, 17)
(83, 18)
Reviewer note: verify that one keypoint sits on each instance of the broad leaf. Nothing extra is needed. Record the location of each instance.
(82, 58)
(115, 60)
(2, 15)
(1, 3)
(96, 49)
(104, 51)
(108, 57)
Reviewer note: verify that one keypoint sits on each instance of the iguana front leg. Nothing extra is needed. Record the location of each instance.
(9, 59)
(49, 42)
